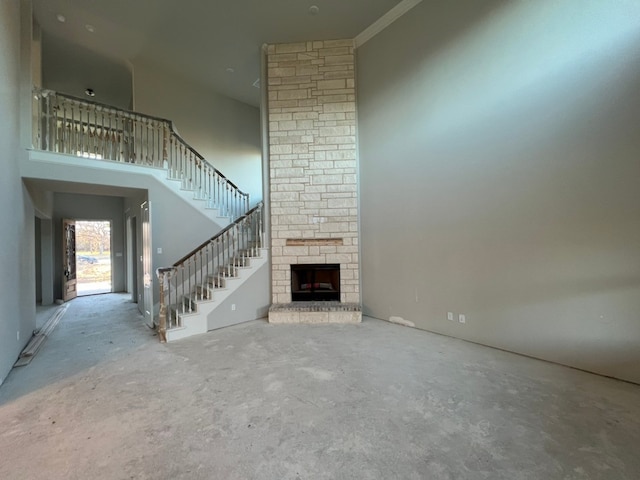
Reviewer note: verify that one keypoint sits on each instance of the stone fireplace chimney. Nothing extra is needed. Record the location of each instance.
(313, 184)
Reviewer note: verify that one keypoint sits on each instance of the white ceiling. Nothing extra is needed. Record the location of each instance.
(201, 39)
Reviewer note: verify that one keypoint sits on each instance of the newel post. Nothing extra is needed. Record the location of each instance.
(164, 277)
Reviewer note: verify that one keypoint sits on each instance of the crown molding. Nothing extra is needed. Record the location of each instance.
(384, 21)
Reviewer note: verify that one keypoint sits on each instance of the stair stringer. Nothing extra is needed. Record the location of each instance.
(202, 320)
(55, 166)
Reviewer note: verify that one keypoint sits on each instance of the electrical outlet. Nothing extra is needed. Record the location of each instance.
(450, 316)
(18, 335)
(233, 306)
(462, 318)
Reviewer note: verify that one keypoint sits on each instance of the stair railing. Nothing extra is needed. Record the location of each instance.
(74, 126)
(195, 276)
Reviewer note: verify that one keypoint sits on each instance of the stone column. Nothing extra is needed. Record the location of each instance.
(312, 144)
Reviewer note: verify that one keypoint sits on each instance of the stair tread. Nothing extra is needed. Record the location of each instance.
(177, 327)
(204, 300)
(187, 314)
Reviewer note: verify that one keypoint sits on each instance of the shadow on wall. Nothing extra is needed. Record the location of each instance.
(514, 180)
(485, 56)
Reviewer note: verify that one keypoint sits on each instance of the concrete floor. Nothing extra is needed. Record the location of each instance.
(93, 288)
(44, 313)
(104, 400)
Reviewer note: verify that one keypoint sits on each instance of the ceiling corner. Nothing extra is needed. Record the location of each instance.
(383, 22)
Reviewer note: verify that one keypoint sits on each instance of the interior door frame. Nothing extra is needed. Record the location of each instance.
(69, 277)
(111, 252)
(147, 274)
(132, 257)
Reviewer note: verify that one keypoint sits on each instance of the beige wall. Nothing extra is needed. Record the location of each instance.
(17, 264)
(226, 132)
(36, 55)
(500, 176)
(71, 68)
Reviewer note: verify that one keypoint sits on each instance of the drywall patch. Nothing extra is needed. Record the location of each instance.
(402, 321)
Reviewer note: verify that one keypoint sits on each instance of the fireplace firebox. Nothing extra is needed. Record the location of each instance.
(315, 282)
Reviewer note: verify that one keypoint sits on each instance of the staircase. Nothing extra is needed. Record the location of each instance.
(77, 127)
(192, 288)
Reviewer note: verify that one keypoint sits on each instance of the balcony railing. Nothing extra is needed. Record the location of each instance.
(196, 276)
(73, 126)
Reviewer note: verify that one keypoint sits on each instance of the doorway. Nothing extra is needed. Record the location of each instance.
(38, 259)
(93, 257)
(132, 258)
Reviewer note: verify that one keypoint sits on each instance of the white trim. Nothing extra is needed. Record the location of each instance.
(383, 22)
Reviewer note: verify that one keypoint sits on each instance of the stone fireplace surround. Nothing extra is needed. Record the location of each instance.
(312, 174)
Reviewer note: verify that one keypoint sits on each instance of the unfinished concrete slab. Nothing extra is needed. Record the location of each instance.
(103, 400)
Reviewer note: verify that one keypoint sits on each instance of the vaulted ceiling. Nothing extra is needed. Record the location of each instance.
(213, 42)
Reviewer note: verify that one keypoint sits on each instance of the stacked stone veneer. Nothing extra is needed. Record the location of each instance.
(312, 147)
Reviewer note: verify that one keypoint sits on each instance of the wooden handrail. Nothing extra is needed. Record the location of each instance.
(193, 277)
(219, 234)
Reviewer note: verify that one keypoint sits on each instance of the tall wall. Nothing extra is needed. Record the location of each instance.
(17, 265)
(72, 68)
(500, 176)
(312, 162)
(226, 132)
